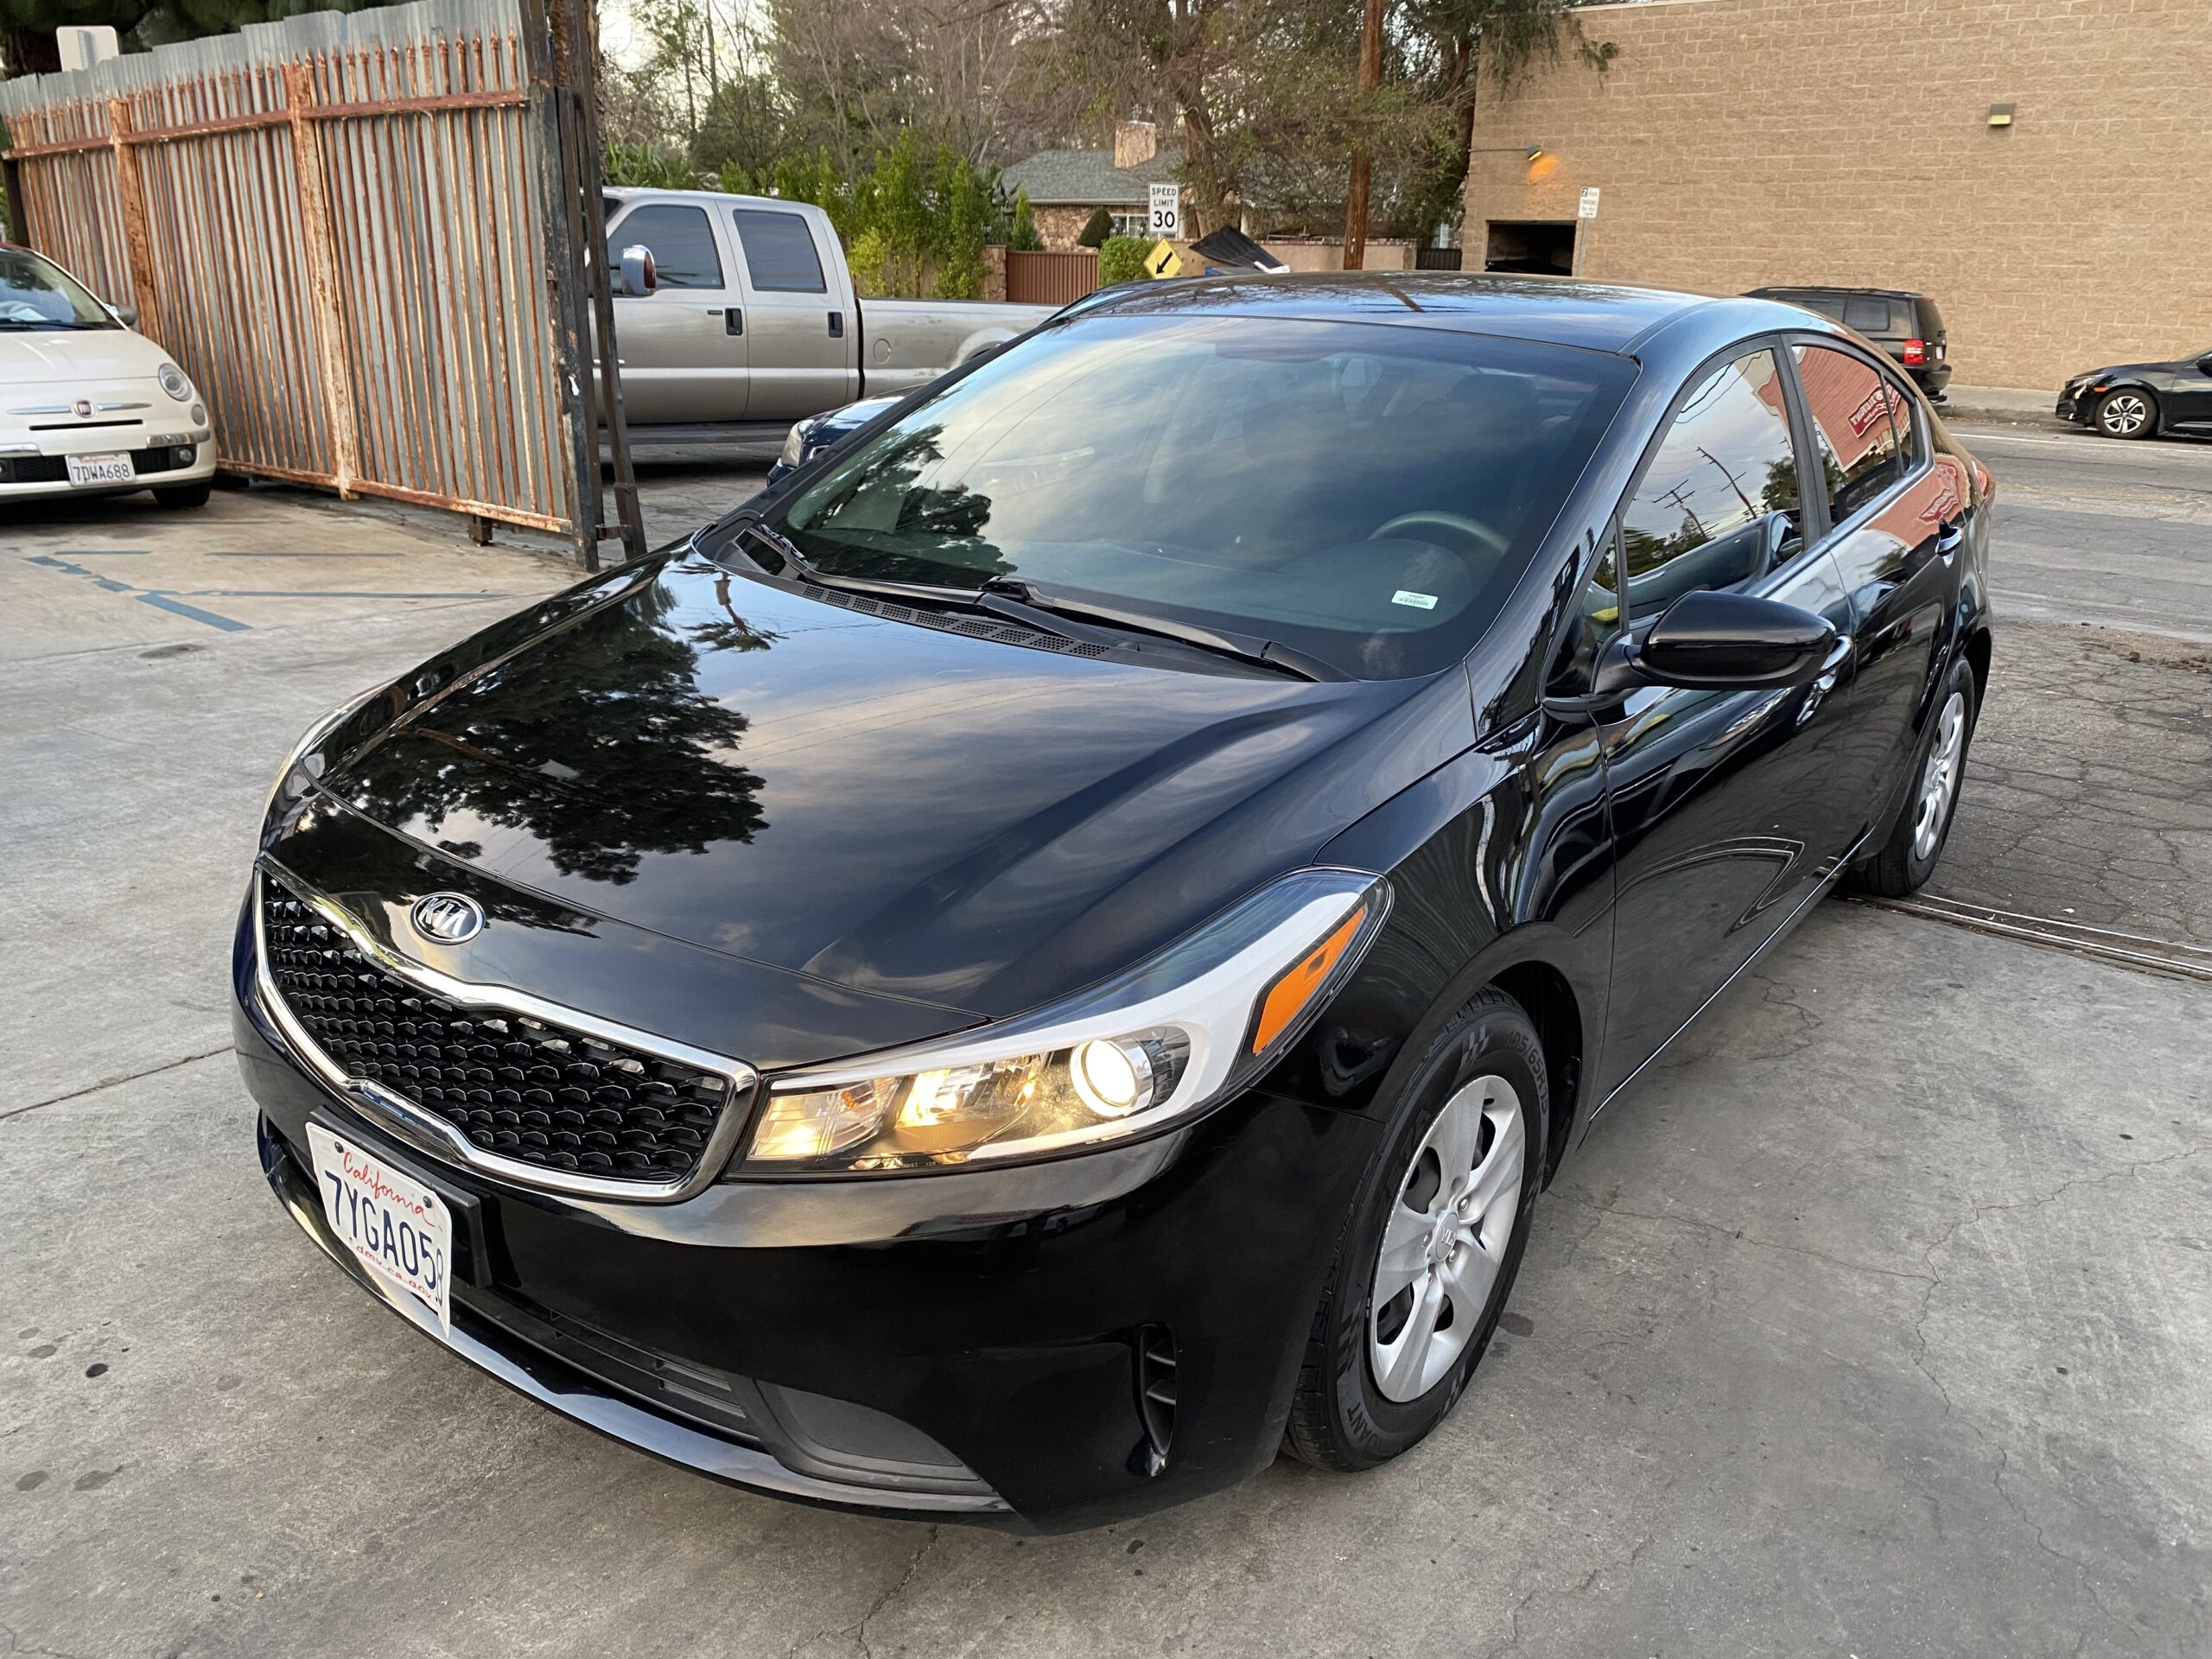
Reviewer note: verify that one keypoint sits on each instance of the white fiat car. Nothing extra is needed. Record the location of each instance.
(88, 405)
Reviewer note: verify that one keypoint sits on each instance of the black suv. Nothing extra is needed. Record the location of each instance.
(1905, 325)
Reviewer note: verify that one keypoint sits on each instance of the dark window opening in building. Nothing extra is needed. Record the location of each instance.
(1543, 247)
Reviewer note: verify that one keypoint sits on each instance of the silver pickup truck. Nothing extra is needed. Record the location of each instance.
(749, 318)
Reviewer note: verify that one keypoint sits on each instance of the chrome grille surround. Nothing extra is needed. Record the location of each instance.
(431, 1134)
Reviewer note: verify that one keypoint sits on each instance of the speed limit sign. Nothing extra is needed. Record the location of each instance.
(1167, 216)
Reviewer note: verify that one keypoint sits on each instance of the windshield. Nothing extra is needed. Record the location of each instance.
(1367, 494)
(35, 293)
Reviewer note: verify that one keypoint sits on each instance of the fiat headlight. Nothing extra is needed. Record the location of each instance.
(1145, 1050)
(174, 383)
(795, 445)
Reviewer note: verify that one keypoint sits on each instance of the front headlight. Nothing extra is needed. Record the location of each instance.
(174, 383)
(1147, 1049)
(795, 445)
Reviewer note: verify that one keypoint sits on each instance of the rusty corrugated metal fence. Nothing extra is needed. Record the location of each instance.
(338, 225)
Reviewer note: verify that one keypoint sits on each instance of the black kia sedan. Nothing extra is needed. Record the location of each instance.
(2140, 400)
(1052, 960)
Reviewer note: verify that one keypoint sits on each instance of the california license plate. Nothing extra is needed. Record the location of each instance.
(101, 469)
(400, 1230)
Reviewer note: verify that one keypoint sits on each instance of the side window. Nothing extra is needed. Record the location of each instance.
(1595, 619)
(779, 257)
(1718, 506)
(1867, 316)
(1853, 404)
(682, 241)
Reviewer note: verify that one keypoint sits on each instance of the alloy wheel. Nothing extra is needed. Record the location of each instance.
(1445, 1238)
(2123, 414)
(1939, 779)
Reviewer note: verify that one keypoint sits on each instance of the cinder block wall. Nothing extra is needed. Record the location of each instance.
(1737, 143)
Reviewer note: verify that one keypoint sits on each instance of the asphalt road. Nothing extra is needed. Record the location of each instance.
(1876, 1321)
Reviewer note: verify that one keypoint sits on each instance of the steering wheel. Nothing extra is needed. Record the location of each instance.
(1474, 529)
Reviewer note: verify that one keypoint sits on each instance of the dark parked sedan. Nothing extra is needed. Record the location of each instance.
(2139, 400)
(1052, 959)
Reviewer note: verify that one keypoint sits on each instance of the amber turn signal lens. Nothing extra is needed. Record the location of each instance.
(1287, 997)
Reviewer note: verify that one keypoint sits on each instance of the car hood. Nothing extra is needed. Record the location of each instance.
(39, 357)
(892, 808)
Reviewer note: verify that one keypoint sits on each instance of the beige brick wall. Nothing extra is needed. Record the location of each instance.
(1738, 142)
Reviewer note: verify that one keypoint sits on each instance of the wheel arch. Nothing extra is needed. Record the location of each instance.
(1547, 996)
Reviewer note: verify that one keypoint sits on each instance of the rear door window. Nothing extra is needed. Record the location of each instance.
(1719, 504)
(779, 255)
(1867, 316)
(1855, 409)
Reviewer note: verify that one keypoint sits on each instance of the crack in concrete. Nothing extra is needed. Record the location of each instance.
(113, 1083)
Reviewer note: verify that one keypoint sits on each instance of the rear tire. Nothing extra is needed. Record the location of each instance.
(2127, 412)
(1431, 1246)
(180, 497)
(1917, 840)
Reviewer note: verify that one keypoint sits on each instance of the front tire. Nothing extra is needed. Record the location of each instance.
(1431, 1246)
(180, 496)
(2127, 412)
(1916, 840)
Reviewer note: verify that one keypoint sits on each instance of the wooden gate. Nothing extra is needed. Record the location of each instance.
(347, 230)
(1051, 278)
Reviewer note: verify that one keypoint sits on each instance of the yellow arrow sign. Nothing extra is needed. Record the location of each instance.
(1163, 260)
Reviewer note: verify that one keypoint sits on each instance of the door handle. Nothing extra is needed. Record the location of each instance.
(836, 325)
(1949, 534)
(734, 320)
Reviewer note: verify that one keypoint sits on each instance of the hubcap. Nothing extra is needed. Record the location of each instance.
(1444, 1239)
(1939, 780)
(2124, 414)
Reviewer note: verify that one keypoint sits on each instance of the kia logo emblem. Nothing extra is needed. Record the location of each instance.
(447, 918)
(84, 408)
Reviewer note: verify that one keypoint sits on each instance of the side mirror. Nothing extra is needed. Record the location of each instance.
(1709, 641)
(125, 315)
(639, 275)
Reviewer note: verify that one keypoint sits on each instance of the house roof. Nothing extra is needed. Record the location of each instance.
(1087, 178)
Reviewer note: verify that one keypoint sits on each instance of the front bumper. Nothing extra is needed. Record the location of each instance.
(1009, 1321)
(2074, 404)
(36, 464)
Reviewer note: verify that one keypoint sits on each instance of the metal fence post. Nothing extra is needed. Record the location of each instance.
(331, 346)
(131, 200)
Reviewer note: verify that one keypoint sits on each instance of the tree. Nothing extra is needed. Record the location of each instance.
(1466, 42)
(1024, 239)
(1096, 229)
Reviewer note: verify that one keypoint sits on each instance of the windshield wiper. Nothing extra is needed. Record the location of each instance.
(807, 570)
(1050, 611)
(1011, 596)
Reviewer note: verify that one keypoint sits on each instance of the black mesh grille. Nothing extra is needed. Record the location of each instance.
(515, 1086)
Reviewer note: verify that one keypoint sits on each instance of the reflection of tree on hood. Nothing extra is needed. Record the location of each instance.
(884, 495)
(598, 742)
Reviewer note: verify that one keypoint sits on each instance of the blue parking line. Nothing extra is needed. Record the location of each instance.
(107, 552)
(325, 593)
(163, 602)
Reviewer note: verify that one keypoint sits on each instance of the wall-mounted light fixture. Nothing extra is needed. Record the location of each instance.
(2001, 115)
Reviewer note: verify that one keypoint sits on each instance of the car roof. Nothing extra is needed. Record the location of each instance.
(1551, 311)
